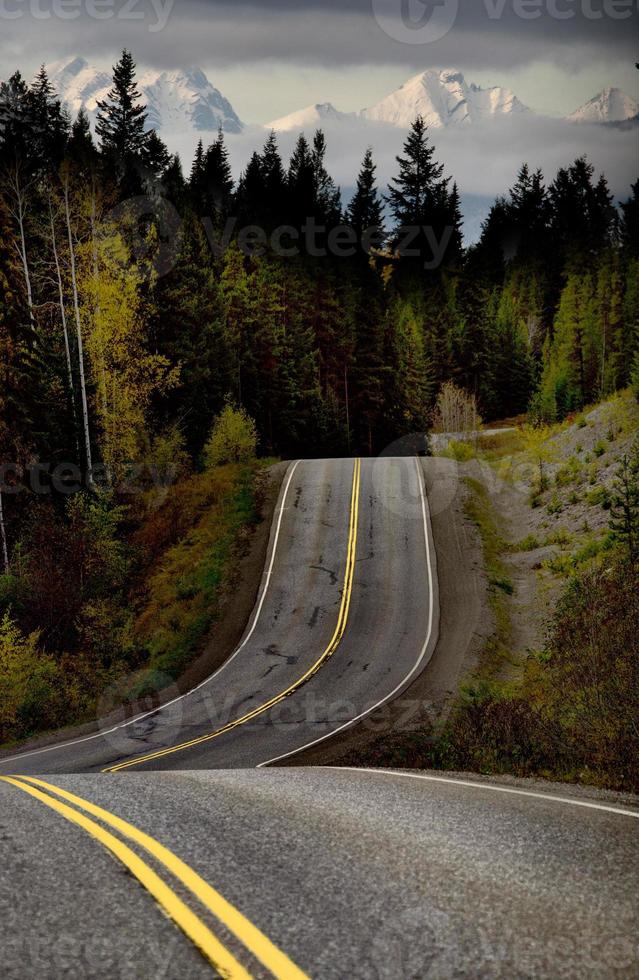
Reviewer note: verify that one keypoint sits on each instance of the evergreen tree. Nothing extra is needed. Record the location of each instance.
(328, 208)
(421, 204)
(529, 216)
(217, 181)
(630, 223)
(174, 184)
(583, 217)
(196, 180)
(274, 185)
(624, 510)
(452, 205)
(365, 210)
(249, 199)
(121, 119)
(187, 329)
(413, 196)
(410, 398)
(16, 123)
(81, 150)
(50, 122)
(301, 183)
(155, 157)
(626, 343)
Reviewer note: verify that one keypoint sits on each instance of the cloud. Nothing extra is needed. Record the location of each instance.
(483, 160)
(498, 33)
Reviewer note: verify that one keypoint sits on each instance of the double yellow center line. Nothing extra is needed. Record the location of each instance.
(224, 962)
(328, 652)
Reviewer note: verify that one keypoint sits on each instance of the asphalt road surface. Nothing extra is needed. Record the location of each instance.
(346, 617)
(315, 872)
(187, 858)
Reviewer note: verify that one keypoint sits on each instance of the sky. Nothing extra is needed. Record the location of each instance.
(271, 57)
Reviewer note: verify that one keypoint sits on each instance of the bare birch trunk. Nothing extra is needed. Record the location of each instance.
(18, 210)
(65, 331)
(3, 536)
(78, 327)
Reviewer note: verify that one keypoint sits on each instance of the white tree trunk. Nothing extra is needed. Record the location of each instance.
(3, 536)
(18, 209)
(63, 314)
(78, 327)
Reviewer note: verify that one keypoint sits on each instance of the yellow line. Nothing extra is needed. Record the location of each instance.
(328, 652)
(199, 934)
(260, 945)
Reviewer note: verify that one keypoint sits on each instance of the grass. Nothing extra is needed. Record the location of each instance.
(481, 512)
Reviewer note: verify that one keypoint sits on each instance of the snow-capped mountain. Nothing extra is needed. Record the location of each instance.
(610, 106)
(79, 85)
(443, 98)
(311, 117)
(177, 101)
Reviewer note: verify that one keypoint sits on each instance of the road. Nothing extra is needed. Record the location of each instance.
(164, 848)
(318, 872)
(346, 616)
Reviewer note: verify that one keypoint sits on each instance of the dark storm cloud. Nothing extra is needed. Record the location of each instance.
(414, 33)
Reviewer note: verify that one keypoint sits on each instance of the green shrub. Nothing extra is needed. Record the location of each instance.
(32, 693)
(599, 497)
(233, 438)
(460, 451)
(529, 543)
(555, 506)
(570, 473)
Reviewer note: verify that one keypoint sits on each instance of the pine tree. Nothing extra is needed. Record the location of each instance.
(421, 204)
(583, 216)
(365, 210)
(250, 193)
(186, 329)
(174, 184)
(217, 181)
(624, 510)
(529, 214)
(452, 204)
(16, 124)
(155, 156)
(274, 190)
(328, 207)
(626, 343)
(50, 123)
(81, 150)
(630, 223)
(410, 398)
(412, 197)
(301, 183)
(196, 180)
(121, 119)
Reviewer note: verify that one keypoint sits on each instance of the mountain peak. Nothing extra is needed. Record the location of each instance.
(610, 106)
(76, 66)
(310, 117)
(181, 100)
(443, 98)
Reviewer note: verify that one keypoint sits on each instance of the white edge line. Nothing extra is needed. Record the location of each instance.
(489, 786)
(416, 666)
(187, 694)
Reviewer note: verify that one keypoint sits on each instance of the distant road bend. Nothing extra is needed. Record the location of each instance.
(346, 617)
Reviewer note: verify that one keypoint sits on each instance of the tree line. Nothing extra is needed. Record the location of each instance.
(124, 335)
